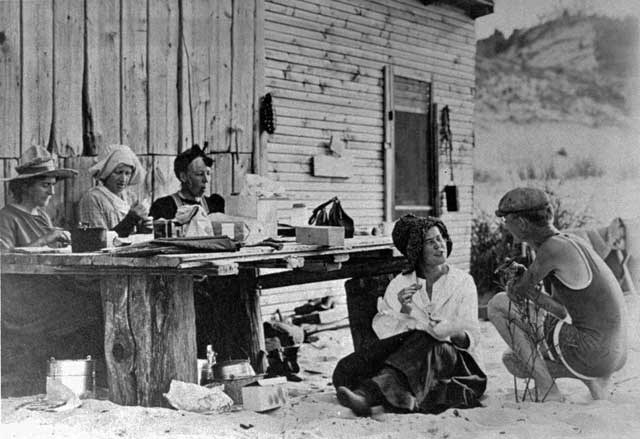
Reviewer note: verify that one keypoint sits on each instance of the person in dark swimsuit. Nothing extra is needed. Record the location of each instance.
(193, 169)
(580, 326)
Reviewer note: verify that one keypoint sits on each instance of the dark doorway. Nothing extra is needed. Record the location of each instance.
(415, 158)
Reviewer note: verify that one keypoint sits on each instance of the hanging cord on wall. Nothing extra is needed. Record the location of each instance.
(445, 136)
(186, 51)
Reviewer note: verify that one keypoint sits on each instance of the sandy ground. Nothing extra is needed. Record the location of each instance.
(313, 411)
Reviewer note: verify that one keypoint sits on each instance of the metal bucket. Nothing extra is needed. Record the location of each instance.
(77, 375)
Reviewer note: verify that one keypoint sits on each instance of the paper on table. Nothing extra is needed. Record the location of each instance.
(44, 249)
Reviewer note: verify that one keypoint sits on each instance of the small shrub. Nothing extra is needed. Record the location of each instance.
(490, 245)
(584, 167)
(565, 216)
(484, 176)
(537, 171)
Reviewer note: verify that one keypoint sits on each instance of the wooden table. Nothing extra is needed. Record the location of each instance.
(148, 302)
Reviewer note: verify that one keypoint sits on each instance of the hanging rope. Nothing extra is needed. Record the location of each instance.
(445, 136)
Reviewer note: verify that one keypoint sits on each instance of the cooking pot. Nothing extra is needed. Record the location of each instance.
(232, 369)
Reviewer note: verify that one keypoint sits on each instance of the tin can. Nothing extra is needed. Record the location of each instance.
(162, 228)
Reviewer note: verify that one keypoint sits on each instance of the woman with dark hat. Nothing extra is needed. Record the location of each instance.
(24, 222)
(193, 169)
(426, 359)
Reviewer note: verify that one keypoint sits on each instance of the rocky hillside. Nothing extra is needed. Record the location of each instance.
(578, 69)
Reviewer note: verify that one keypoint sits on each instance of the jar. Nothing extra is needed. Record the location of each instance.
(299, 216)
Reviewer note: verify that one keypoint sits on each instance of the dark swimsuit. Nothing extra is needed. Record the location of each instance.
(594, 343)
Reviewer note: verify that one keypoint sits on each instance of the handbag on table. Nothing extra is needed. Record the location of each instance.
(336, 217)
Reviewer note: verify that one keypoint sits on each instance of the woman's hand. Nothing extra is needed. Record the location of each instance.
(405, 297)
(443, 329)
(55, 238)
(140, 210)
(146, 224)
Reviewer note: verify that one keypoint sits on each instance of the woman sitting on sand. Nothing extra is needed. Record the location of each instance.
(109, 204)
(425, 360)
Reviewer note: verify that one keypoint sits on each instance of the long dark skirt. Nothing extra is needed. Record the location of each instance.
(413, 372)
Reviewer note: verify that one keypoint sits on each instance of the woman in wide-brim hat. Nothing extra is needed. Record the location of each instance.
(42, 315)
(24, 221)
(110, 204)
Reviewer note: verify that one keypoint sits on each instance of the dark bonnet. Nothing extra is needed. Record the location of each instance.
(409, 232)
(184, 158)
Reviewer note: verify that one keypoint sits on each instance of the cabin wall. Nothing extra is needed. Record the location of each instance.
(157, 75)
(325, 65)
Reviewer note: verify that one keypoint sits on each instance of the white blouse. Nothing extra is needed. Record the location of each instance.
(454, 298)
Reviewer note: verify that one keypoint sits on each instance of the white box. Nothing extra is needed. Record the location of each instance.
(263, 209)
(265, 394)
(320, 235)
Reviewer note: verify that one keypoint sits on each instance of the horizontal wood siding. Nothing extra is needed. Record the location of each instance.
(324, 66)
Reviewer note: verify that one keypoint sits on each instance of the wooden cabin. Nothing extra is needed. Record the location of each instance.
(358, 88)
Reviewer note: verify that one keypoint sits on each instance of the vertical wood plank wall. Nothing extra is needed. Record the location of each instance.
(157, 75)
(324, 66)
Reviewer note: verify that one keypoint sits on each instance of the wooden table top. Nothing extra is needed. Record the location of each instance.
(292, 255)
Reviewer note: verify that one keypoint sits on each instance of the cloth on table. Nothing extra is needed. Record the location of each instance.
(178, 245)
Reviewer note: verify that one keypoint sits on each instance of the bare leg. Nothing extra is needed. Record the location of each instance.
(520, 370)
(516, 334)
(600, 388)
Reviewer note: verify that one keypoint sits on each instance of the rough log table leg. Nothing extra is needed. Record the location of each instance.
(149, 335)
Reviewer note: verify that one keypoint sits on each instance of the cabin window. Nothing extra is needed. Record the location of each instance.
(412, 148)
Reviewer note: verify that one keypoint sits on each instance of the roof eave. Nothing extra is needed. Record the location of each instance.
(473, 8)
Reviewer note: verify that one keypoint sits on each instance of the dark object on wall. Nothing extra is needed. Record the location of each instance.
(450, 190)
(267, 115)
(336, 217)
(451, 195)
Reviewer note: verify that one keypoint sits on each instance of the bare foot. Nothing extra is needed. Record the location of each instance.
(599, 387)
(549, 393)
(356, 401)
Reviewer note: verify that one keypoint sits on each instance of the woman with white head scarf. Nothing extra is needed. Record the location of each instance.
(110, 204)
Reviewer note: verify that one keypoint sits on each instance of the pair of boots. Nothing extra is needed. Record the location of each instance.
(283, 361)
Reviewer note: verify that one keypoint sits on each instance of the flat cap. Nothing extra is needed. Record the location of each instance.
(522, 199)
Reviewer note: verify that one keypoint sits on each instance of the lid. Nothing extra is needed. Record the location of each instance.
(70, 367)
